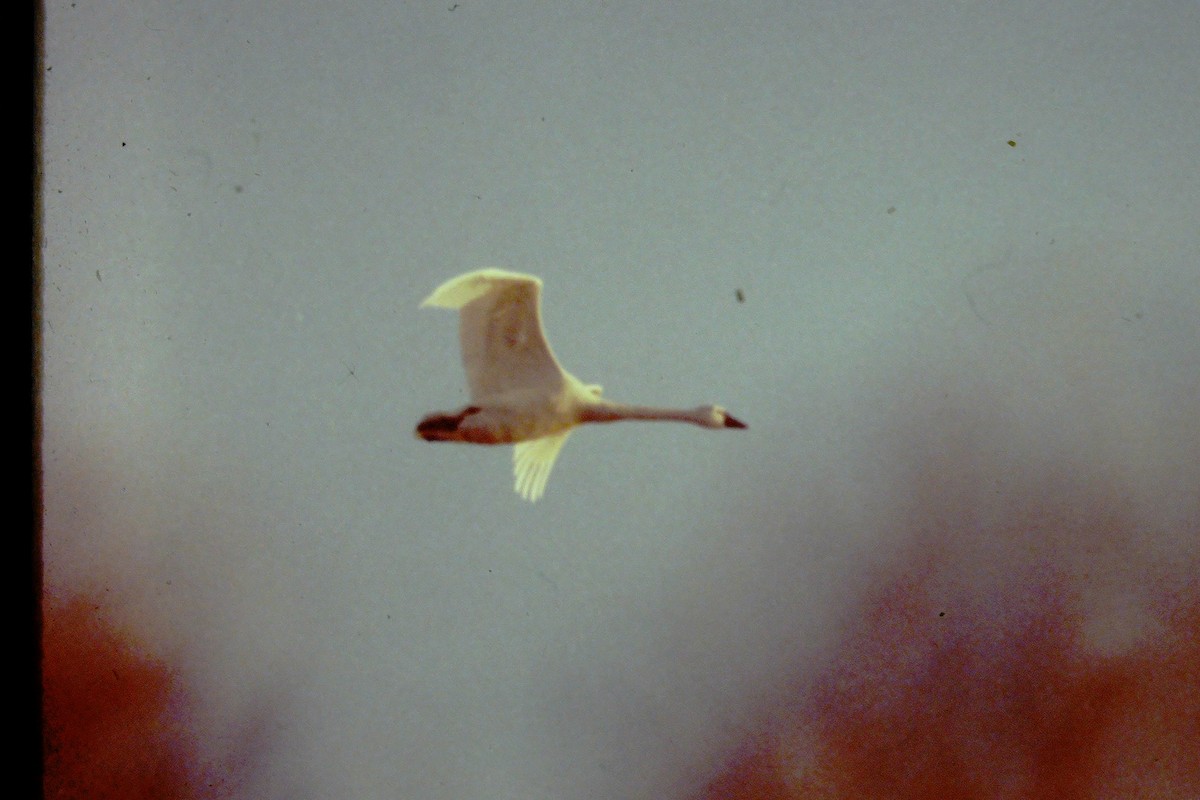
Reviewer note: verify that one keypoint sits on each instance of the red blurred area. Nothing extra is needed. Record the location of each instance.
(115, 720)
(999, 698)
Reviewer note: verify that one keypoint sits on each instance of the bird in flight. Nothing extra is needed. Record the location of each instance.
(520, 395)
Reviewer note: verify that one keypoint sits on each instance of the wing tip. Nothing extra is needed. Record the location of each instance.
(462, 289)
(532, 462)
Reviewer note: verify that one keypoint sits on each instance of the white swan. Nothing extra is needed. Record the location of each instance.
(519, 393)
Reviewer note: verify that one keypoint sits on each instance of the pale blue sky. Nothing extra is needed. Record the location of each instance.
(245, 202)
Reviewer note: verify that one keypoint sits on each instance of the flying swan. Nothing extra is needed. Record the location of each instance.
(520, 395)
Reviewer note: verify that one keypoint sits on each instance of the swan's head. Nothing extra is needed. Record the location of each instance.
(718, 417)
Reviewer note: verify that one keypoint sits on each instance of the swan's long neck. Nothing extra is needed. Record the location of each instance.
(608, 411)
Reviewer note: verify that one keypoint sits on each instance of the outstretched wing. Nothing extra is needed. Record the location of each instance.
(504, 347)
(532, 462)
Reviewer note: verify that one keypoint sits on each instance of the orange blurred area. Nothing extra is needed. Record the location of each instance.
(115, 720)
(1004, 699)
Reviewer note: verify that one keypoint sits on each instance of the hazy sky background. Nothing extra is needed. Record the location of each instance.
(954, 226)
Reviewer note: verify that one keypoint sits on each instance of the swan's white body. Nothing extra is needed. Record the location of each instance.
(520, 394)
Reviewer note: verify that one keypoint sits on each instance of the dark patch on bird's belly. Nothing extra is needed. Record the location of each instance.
(437, 428)
(444, 427)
